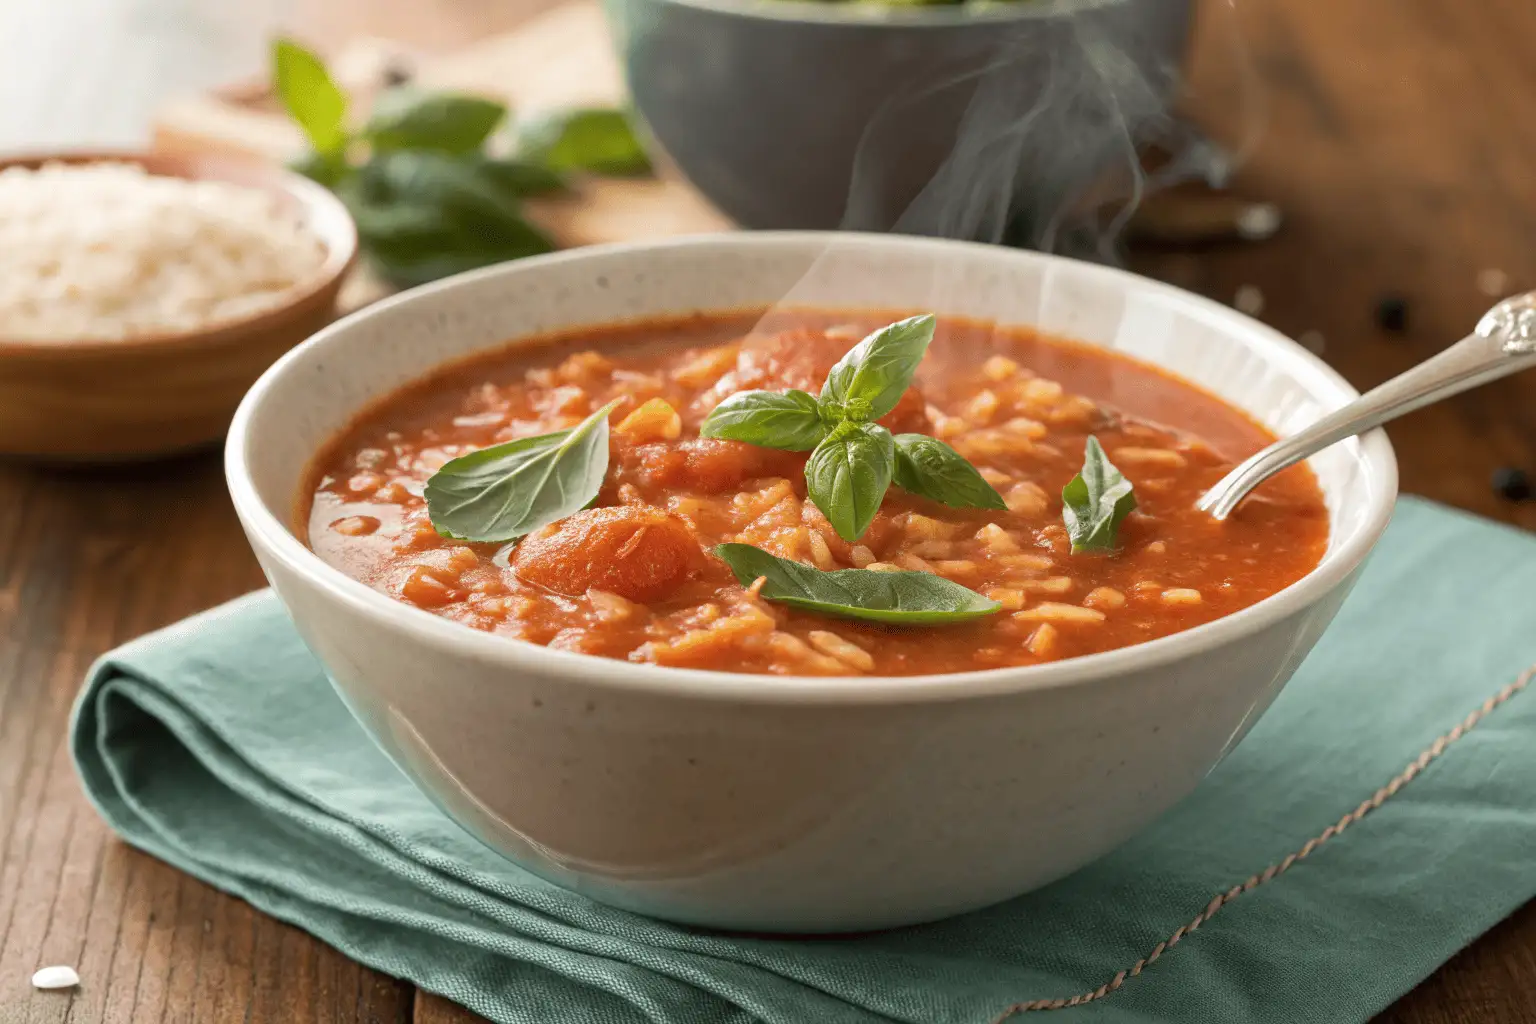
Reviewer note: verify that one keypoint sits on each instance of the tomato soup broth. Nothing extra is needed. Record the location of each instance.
(636, 574)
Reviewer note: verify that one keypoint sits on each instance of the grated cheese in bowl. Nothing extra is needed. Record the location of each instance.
(107, 251)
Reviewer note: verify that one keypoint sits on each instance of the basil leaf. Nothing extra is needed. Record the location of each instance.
(1097, 500)
(326, 169)
(521, 179)
(426, 178)
(406, 117)
(310, 95)
(422, 216)
(927, 466)
(899, 598)
(869, 381)
(848, 474)
(409, 245)
(595, 140)
(508, 490)
(767, 418)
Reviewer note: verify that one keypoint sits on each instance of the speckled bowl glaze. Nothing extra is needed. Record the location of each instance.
(777, 803)
(808, 114)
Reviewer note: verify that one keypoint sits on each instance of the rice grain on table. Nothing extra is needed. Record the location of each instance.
(58, 976)
(107, 251)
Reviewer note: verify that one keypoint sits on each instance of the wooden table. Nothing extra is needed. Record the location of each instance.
(1399, 143)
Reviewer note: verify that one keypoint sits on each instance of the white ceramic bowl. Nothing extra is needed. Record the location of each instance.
(794, 804)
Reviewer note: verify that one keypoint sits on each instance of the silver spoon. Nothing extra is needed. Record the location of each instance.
(1503, 343)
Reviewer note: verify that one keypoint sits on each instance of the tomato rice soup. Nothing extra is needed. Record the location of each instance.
(635, 575)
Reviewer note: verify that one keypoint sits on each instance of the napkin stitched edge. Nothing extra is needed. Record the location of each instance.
(1415, 768)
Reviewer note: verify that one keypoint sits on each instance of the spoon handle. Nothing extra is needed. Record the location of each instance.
(1504, 342)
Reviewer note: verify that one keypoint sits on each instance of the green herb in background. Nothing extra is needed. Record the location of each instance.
(311, 96)
(520, 178)
(508, 490)
(1096, 502)
(429, 201)
(426, 215)
(855, 459)
(897, 598)
(405, 117)
(595, 140)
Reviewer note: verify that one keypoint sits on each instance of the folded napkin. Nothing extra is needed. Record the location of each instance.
(217, 745)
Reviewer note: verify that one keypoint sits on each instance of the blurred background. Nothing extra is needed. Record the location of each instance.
(1357, 174)
(92, 72)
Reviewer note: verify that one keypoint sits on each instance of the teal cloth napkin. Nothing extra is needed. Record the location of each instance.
(217, 745)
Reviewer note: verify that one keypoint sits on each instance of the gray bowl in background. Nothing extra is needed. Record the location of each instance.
(794, 114)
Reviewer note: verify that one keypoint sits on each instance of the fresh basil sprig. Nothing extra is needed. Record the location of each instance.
(311, 96)
(520, 179)
(927, 466)
(508, 490)
(863, 386)
(428, 200)
(406, 117)
(790, 420)
(422, 215)
(1096, 502)
(848, 474)
(898, 598)
(595, 140)
(870, 379)
(854, 459)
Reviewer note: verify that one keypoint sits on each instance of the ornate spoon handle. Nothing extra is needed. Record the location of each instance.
(1503, 343)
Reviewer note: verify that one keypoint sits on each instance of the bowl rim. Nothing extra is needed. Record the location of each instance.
(338, 233)
(273, 537)
(896, 15)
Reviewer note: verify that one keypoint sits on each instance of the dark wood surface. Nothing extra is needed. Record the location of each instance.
(1399, 144)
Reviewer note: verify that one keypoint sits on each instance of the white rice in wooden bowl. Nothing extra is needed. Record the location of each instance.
(107, 251)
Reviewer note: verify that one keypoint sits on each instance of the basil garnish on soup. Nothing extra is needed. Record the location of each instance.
(929, 467)
(942, 580)
(848, 474)
(868, 382)
(853, 459)
(508, 490)
(1096, 502)
(897, 598)
(790, 420)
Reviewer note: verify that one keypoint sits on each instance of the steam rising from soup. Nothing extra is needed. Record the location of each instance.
(1048, 121)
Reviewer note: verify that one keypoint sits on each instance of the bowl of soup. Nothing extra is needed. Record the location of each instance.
(815, 114)
(592, 546)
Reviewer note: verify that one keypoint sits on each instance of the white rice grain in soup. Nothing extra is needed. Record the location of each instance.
(107, 251)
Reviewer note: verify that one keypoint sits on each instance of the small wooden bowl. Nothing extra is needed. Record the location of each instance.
(90, 400)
